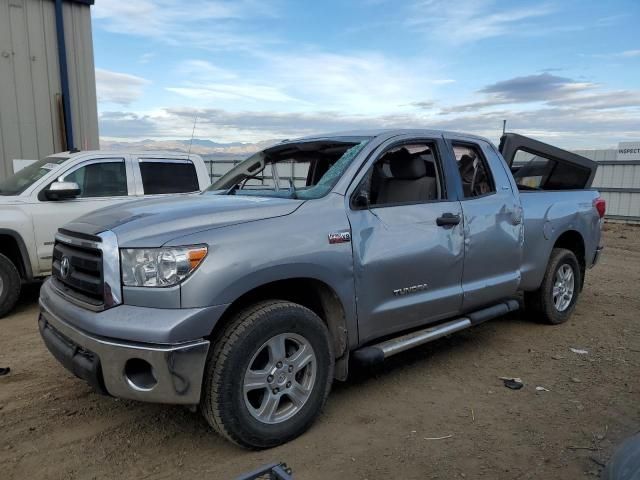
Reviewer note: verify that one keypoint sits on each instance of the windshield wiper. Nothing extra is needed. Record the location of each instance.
(232, 190)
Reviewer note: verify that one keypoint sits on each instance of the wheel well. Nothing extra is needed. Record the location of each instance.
(9, 248)
(572, 240)
(314, 294)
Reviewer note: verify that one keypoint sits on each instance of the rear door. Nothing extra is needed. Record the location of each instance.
(156, 175)
(493, 223)
(406, 237)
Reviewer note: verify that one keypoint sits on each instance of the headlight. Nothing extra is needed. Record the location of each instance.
(159, 267)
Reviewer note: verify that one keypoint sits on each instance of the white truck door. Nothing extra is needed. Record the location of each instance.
(102, 182)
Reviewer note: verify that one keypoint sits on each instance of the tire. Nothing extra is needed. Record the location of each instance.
(542, 304)
(247, 345)
(625, 462)
(10, 285)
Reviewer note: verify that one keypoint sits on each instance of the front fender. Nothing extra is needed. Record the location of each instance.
(18, 225)
(246, 256)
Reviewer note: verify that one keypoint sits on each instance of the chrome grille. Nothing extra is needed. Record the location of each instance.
(78, 269)
(86, 268)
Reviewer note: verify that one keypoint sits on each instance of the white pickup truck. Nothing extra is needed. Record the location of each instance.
(51, 192)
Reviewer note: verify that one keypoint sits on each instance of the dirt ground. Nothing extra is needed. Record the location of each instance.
(380, 424)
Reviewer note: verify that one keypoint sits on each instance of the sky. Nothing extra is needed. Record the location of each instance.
(566, 72)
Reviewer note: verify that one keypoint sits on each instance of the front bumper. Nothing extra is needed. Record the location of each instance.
(161, 373)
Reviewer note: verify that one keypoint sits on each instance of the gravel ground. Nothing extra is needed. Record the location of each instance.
(379, 424)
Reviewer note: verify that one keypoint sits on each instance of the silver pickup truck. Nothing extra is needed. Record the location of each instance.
(249, 299)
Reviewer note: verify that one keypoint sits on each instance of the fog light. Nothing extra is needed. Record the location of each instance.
(139, 374)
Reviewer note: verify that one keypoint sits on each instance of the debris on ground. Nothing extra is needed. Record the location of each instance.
(514, 383)
(438, 438)
(579, 351)
(575, 380)
(541, 389)
(274, 470)
(4, 370)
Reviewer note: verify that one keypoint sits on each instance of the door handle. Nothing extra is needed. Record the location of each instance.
(448, 219)
(516, 219)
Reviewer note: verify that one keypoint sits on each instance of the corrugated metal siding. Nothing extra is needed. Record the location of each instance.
(618, 182)
(82, 78)
(30, 80)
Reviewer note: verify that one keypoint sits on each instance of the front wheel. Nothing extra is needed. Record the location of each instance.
(268, 375)
(556, 298)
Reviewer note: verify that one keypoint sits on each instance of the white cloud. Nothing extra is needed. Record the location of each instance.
(147, 57)
(355, 83)
(178, 22)
(203, 69)
(219, 91)
(116, 87)
(630, 53)
(618, 55)
(209, 84)
(466, 21)
(443, 81)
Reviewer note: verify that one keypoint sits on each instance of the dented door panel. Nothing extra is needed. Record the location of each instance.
(407, 268)
(493, 250)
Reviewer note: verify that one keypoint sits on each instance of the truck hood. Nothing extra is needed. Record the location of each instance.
(11, 200)
(154, 222)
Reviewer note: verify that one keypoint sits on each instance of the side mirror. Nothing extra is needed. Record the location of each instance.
(62, 191)
(361, 200)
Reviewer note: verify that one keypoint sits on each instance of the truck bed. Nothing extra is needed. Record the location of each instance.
(546, 212)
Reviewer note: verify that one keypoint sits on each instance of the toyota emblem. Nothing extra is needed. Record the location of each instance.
(65, 267)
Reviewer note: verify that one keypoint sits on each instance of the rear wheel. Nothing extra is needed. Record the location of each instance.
(268, 375)
(556, 298)
(10, 285)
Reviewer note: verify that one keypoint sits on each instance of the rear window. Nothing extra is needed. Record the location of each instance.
(161, 177)
(537, 172)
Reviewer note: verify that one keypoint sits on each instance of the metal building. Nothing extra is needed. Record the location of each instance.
(618, 180)
(47, 79)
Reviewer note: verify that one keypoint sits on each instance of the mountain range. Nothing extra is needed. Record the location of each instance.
(206, 148)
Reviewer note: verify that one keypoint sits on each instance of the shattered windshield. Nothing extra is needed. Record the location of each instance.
(26, 177)
(305, 170)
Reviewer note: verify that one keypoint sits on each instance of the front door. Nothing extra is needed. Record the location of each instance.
(407, 240)
(102, 182)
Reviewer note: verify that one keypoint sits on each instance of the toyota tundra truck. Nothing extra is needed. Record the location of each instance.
(249, 299)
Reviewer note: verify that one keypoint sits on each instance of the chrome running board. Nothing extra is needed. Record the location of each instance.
(378, 352)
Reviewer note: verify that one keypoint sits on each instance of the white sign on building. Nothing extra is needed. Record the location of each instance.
(628, 151)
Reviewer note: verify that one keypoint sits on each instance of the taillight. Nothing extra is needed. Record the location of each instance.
(600, 205)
